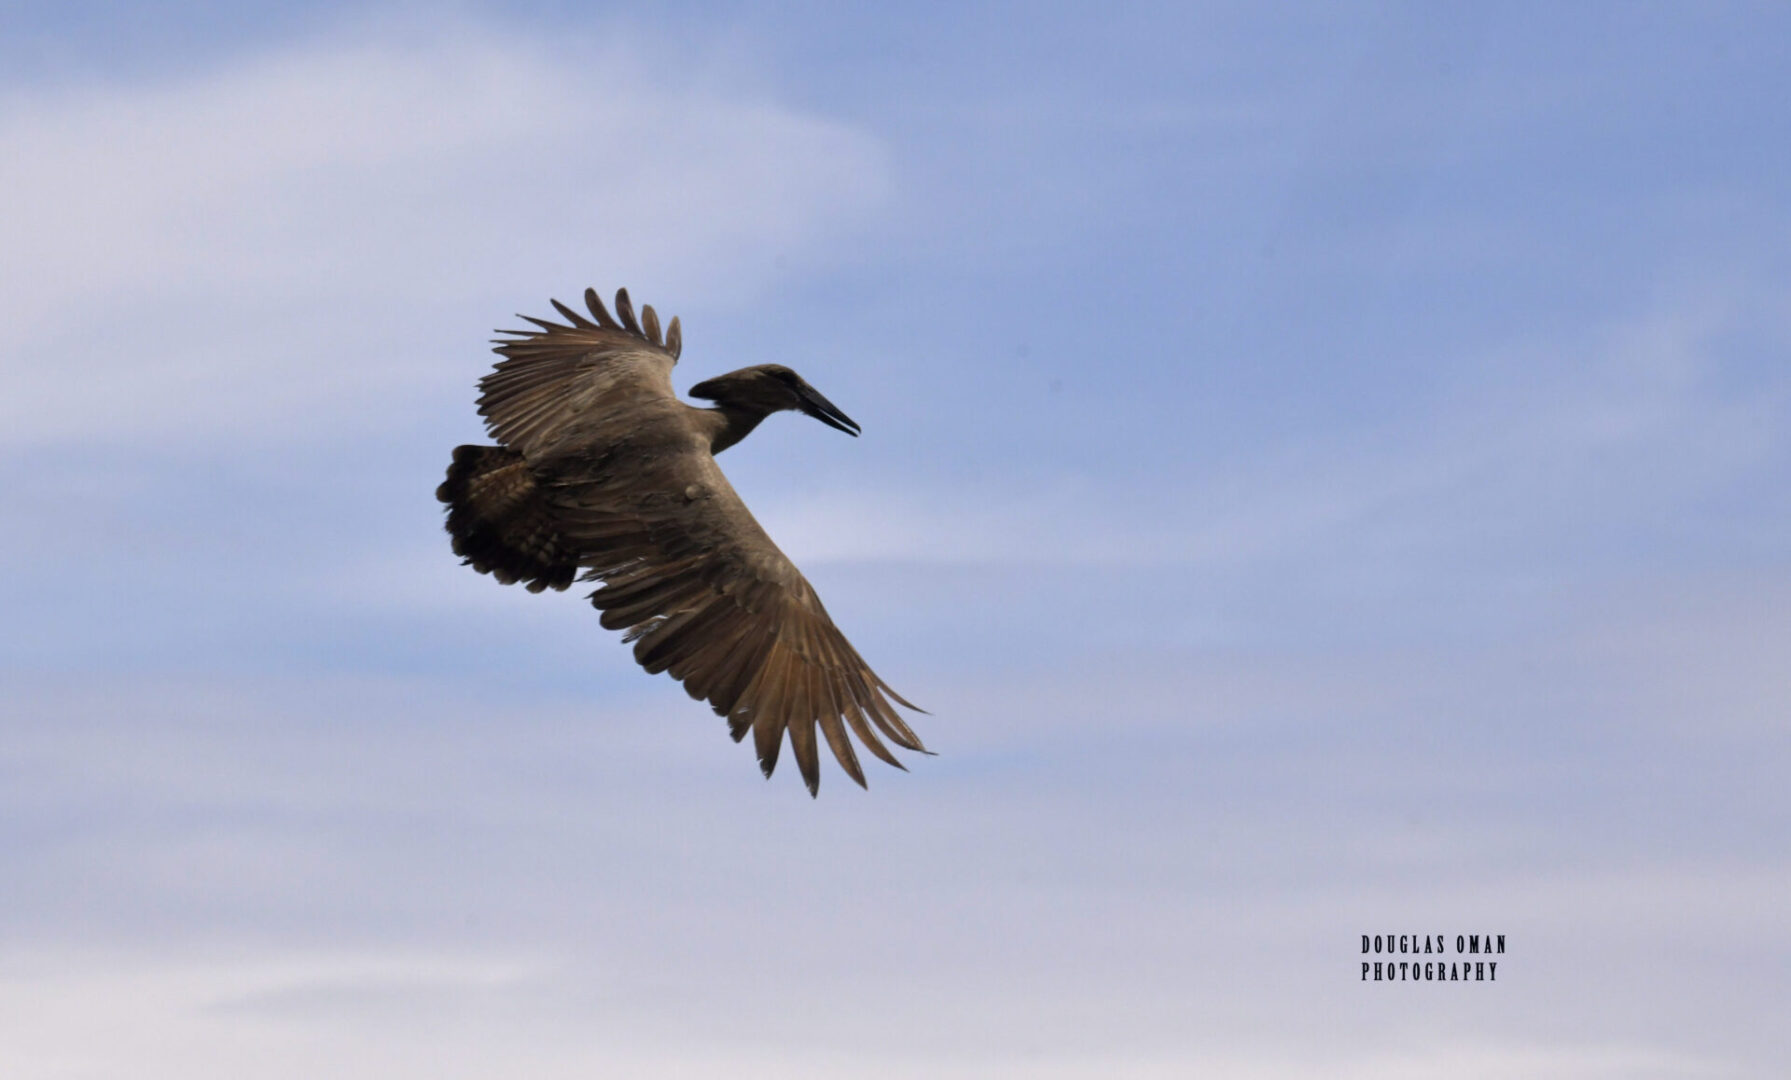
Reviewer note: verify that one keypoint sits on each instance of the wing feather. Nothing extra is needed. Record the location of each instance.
(766, 700)
(713, 602)
(625, 312)
(599, 312)
(573, 317)
(801, 722)
(559, 375)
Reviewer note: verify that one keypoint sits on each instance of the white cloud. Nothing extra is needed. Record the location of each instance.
(309, 228)
(406, 879)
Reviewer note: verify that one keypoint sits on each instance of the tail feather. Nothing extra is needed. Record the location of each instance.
(500, 524)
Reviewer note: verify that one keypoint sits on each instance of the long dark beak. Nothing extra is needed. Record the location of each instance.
(811, 402)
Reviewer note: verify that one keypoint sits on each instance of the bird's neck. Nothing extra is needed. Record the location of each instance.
(727, 424)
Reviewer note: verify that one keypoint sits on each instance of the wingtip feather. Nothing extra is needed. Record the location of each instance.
(573, 317)
(625, 312)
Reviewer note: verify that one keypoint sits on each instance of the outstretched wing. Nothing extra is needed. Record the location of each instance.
(557, 382)
(707, 597)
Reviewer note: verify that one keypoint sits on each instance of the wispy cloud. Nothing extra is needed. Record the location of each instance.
(1531, 441)
(298, 233)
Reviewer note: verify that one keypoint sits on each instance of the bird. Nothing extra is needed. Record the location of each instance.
(601, 474)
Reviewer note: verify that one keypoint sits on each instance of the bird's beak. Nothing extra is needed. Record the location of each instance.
(810, 401)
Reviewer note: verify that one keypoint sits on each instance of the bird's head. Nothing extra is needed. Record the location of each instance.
(769, 388)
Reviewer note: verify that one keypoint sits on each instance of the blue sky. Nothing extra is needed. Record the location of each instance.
(1325, 472)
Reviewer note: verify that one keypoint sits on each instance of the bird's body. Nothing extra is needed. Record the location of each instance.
(602, 470)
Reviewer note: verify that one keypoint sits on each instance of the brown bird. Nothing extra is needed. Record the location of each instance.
(603, 469)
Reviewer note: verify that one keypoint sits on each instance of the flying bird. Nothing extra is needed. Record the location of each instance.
(601, 469)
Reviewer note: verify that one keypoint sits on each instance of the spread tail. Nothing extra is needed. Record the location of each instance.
(500, 523)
